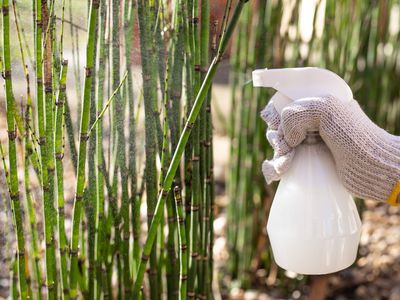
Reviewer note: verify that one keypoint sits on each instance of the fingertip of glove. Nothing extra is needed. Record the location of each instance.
(269, 171)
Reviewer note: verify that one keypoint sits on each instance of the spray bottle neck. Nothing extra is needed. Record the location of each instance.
(312, 138)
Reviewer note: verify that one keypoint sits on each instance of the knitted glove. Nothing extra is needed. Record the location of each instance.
(367, 157)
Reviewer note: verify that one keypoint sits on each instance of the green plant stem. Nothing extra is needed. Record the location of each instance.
(80, 182)
(183, 260)
(181, 145)
(146, 21)
(13, 169)
(59, 155)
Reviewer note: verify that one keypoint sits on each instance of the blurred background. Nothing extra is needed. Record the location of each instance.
(359, 40)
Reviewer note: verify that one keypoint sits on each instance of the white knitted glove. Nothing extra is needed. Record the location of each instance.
(367, 157)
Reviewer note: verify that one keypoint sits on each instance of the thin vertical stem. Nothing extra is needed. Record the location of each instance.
(59, 155)
(80, 182)
(12, 155)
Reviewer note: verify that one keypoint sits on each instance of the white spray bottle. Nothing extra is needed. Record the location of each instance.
(313, 226)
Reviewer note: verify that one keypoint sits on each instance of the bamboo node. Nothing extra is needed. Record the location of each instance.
(6, 74)
(62, 88)
(6, 10)
(164, 193)
(181, 220)
(171, 219)
(42, 140)
(197, 68)
(189, 125)
(21, 253)
(78, 197)
(191, 294)
(203, 70)
(65, 291)
(12, 135)
(59, 156)
(195, 158)
(183, 247)
(61, 210)
(195, 20)
(64, 62)
(194, 254)
(73, 252)
(48, 89)
(95, 4)
(88, 71)
(50, 286)
(14, 196)
(84, 136)
(145, 258)
(208, 108)
(194, 208)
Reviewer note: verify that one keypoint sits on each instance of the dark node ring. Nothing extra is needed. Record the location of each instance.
(146, 77)
(73, 252)
(62, 88)
(195, 158)
(42, 140)
(61, 210)
(6, 10)
(64, 62)
(84, 136)
(7, 74)
(88, 71)
(59, 156)
(189, 125)
(165, 193)
(181, 220)
(208, 108)
(14, 197)
(195, 20)
(78, 197)
(194, 254)
(197, 68)
(145, 258)
(65, 291)
(48, 89)
(50, 286)
(12, 135)
(194, 208)
(183, 247)
(96, 4)
(183, 277)
(21, 253)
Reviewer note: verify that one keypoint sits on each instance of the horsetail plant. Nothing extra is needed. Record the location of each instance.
(12, 153)
(181, 145)
(80, 182)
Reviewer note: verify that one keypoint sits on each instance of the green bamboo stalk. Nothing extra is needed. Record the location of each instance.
(170, 255)
(204, 207)
(100, 197)
(59, 155)
(12, 134)
(146, 21)
(189, 68)
(28, 157)
(120, 150)
(183, 260)
(181, 145)
(47, 150)
(80, 183)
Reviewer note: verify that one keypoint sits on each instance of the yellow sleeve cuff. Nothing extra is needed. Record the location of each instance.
(394, 197)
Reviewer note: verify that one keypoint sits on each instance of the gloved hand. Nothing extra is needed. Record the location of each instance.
(367, 157)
